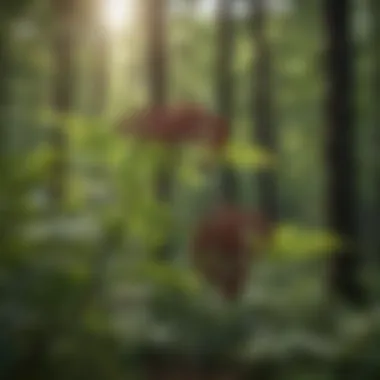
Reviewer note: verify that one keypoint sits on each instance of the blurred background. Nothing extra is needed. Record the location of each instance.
(153, 252)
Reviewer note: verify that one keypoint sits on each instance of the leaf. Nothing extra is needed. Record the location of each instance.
(294, 242)
(245, 157)
(191, 176)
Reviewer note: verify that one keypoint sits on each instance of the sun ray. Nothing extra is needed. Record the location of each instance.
(118, 14)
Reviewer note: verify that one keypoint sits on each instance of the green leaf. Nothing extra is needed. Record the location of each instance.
(245, 156)
(294, 242)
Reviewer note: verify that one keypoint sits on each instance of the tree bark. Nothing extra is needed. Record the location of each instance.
(262, 107)
(224, 86)
(64, 14)
(4, 87)
(374, 10)
(342, 195)
(156, 12)
(101, 55)
(156, 23)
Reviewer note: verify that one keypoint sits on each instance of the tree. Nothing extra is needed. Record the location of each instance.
(262, 105)
(156, 23)
(374, 9)
(8, 12)
(101, 56)
(156, 11)
(224, 84)
(342, 196)
(65, 15)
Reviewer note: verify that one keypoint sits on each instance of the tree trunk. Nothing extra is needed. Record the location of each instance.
(101, 55)
(156, 12)
(224, 86)
(342, 197)
(375, 127)
(156, 23)
(4, 87)
(64, 14)
(262, 107)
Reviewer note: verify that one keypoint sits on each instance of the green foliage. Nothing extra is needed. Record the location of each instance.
(293, 242)
(249, 158)
(61, 271)
(9, 9)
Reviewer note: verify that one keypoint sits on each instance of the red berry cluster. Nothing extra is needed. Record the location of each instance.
(225, 243)
(178, 125)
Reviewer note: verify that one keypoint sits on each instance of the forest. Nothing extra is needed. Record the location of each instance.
(189, 189)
